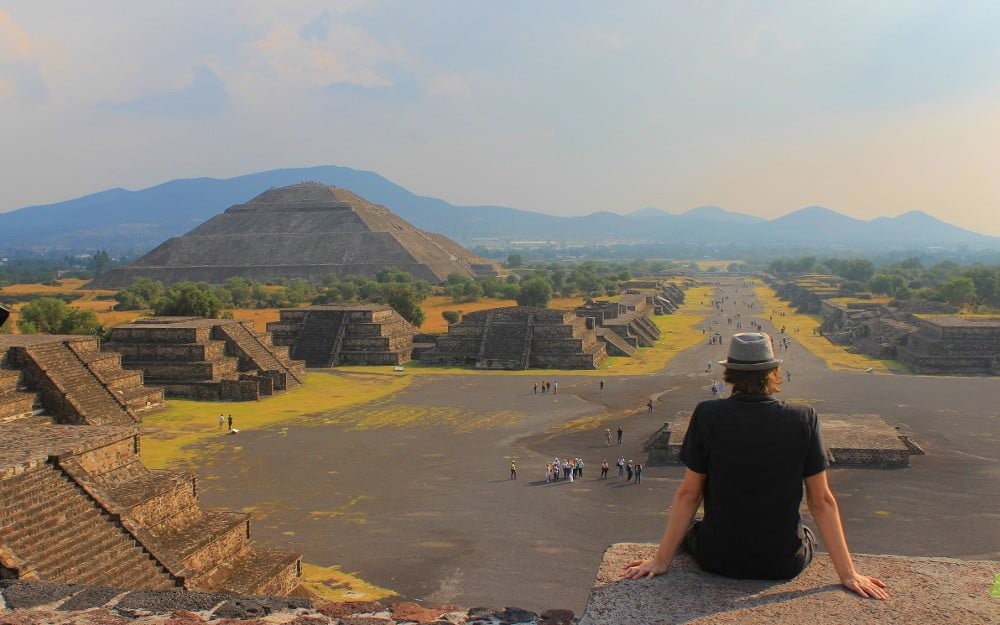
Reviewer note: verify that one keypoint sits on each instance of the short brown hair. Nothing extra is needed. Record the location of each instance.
(763, 382)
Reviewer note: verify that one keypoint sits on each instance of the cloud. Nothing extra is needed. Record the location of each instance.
(206, 96)
(325, 51)
(14, 42)
(447, 84)
(602, 38)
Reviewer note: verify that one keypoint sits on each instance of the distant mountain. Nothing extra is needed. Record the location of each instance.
(719, 214)
(136, 221)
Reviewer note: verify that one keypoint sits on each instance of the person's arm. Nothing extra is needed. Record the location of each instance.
(826, 513)
(686, 501)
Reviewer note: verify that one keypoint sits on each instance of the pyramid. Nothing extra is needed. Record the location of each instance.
(307, 230)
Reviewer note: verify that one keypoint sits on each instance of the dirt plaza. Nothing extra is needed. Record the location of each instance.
(410, 491)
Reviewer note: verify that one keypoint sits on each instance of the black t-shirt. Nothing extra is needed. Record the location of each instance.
(756, 451)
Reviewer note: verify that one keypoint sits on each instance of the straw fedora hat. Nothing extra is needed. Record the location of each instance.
(750, 351)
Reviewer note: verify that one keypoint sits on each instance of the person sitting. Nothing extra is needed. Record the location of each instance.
(747, 457)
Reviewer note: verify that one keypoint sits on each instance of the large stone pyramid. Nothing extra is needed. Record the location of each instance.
(306, 230)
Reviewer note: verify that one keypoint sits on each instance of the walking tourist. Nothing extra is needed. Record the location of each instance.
(604, 469)
(621, 467)
(620, 433)
(649, 405)
(607, 437)
(535, 389)
(755, 451)
(230, 423)
(602, 385)
(638, 473)
(630, 471)
(513, 469)
(222, 420)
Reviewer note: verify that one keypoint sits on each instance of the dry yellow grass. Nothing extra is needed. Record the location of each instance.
(259, 316)
(836, 357)
(708, 265)
(332, 584)
(169, 435)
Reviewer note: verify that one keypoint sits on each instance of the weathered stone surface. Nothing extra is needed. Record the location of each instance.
(850, 440)
(923, 590)
(517, 338)
(308, 231)
(347, 334)
(207, 359)
(348, 608)
(20, 594)
(557, 617)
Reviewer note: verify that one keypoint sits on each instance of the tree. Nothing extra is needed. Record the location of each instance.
(463, 290)
(885, 283)
(139, 295)
(514, 261)
(451, 316)
(535, 291)
(189, 299)
(49, 315)
(958, 291)
(987, 282)
(406, 301)
(101, 262)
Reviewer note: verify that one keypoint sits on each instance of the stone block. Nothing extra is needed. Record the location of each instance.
(923, 590)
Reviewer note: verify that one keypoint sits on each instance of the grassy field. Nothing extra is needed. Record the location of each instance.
(168, 436)
(836, 356)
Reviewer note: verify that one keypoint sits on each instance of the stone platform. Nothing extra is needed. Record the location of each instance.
(863, 440)
(937, 591)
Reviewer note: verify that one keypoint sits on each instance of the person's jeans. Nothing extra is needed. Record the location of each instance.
(809, 543)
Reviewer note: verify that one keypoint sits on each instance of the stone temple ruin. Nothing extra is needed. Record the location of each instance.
(208, 359)
(307, 230)
(851, 440)
(925, 336)
(520, 337)
(79, 507)
(949, 345)
(327, 336)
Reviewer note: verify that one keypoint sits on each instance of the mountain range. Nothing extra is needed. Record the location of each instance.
(135, 221)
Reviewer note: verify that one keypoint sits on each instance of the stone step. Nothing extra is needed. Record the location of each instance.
(207, 539)
(261, 570)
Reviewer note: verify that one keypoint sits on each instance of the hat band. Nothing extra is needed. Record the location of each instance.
(748, 362)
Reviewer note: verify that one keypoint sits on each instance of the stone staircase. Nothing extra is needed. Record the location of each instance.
(207, 550)
(259, 352)
(61, 534)
(318, 337)
(85, 397)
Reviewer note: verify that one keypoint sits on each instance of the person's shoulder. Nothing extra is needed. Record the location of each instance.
(802, 410)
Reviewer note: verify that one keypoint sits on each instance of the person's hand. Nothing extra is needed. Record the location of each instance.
(645, 568)
(867, 587)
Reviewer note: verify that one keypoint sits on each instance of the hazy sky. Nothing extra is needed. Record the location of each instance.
(869, 108)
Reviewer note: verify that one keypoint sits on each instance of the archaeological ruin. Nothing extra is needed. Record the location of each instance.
(860, 440)
(206, 359)
(520, 337)
(952, 345)
(308, 231)
(349, 334)
(78, 505)
(926, 336)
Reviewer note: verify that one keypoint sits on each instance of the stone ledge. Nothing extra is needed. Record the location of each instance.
(941, 591)
(25, 602)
